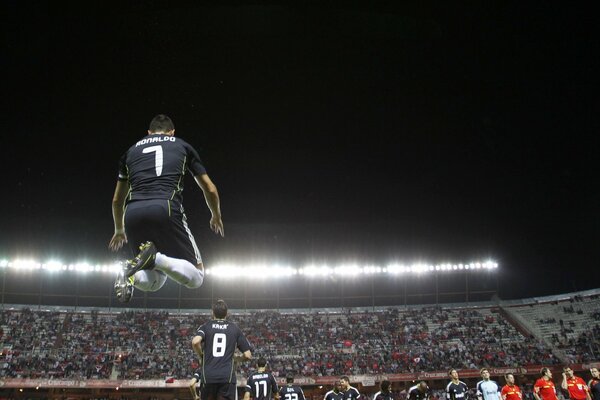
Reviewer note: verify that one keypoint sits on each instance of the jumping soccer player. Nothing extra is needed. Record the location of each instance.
(544, 387)
(510, 391)
(385, 391)
(576, 386)
(349, 392)
(147, 209)
(215, 344)
(291, 391)
(261, 385)
(486, 388)
(456, 389)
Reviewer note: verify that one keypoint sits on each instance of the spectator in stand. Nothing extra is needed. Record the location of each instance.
(576, 386)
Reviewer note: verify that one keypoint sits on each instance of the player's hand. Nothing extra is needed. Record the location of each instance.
(117, 241)
(216, 225)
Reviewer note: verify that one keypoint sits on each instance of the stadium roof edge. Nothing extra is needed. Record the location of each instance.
(355, 310)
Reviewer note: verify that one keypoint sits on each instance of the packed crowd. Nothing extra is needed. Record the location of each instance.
(156, 345)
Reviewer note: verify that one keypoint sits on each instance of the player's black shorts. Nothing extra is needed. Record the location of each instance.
(164, 223)
(219, 391)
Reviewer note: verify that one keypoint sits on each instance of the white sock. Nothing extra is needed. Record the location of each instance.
(149, 280)
(181, 271)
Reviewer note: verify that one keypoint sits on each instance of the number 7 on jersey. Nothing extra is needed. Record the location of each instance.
(158, 157)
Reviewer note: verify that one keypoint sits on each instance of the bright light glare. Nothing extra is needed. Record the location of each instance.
(263, 270)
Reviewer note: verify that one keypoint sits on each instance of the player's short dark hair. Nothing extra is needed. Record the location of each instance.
(450, 371)
(544, 370)
(507, 375)
(385, 385)
(262, 362)
(483, 369)
(220, 309)
(289, 378)
(345, 378)
(161, 123)
(566, 367)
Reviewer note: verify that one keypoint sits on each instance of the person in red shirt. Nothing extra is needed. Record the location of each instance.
(544, 387)
(510, 391)
(576, 386)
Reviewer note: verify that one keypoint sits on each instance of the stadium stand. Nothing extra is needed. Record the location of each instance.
(571, 325)
(156, 345)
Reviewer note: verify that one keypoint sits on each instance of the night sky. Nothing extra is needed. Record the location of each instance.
(450, 133)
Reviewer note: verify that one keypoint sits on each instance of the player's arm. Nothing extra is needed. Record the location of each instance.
(536, 393)
(587, 389)
(197, 345)
(211, 195)
(118, 203)
(245, 356)
(564, 384)
(248, 390)
(192, 386)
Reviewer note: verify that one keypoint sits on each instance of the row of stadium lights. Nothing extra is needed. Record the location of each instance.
(261, 271)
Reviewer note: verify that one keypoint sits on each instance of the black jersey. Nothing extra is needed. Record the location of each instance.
(457, 391)
(261, 385)
(155, 167)
(220, 338)
(333, 395)
(291, 392)
(414, 393)
(594, 385)
(351, 394)
(383, 396)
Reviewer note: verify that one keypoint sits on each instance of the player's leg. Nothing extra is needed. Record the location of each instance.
(143, 220)
(227, 391)
(178, 256)
(148, 281)
(208, 391)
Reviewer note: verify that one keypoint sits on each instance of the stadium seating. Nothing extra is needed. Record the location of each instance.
(571, 325)
(153, 345)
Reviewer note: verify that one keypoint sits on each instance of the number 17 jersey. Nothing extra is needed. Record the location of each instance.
(220, 339)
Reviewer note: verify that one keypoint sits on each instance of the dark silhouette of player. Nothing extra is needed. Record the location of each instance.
(291, 391)
(148, 210)
(215, 343)
(261, 385)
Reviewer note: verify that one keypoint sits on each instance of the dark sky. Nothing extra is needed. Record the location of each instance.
(450, 133)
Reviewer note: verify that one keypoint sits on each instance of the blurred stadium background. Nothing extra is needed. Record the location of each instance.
(64, 335)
